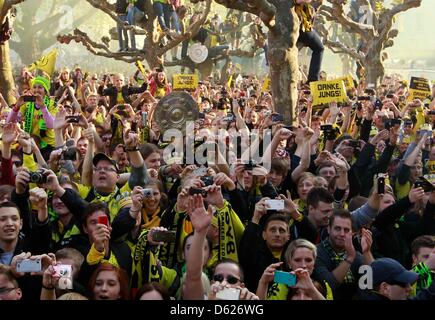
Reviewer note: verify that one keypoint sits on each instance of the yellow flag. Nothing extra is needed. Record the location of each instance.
(45, 63)
(266, 85)
(230, 79)
(139, 65)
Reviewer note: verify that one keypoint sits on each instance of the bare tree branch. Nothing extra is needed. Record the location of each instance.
(100, 49)
(262, 8)
(7, 5)
(406, 5)
(336, 13)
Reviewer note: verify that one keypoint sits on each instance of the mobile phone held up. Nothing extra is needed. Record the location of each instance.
(29, 98)
(28, 265)
(286, 278)
(164, 236)
(381, 185)
(228, 294)
(274, 204)
(103, 220)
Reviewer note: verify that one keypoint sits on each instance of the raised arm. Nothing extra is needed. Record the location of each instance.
(201, 220)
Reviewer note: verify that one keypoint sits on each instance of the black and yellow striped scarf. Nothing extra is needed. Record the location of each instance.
(337, 258)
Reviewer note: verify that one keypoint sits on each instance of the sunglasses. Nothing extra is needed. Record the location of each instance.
(230, 279)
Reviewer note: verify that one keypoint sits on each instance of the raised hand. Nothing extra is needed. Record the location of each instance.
(269, 272)
(289, 206)
(38, 198)
(214, 196)
(199, 217)
(366, 240)
(10, 133)
(59, 120)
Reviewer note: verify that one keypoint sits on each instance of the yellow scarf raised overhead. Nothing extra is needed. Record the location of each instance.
(230, 232)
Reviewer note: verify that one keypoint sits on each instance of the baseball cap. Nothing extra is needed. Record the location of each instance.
(102, 156)
(390, 271)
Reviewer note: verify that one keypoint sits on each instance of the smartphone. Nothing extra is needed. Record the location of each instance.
(274, 204)
(28, 265)
(286, 278)
(164, 236)
(291, 128)
(103, 220)
(363, 98)
(72, 119)
(29, 98)
(193, 191)
(277, 117)
(201, 115)
(381, 185)
(425, 184)
(228, 294)
(326, 127)
(121, 107)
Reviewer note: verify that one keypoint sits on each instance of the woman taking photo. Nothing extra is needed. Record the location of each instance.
(300, 257)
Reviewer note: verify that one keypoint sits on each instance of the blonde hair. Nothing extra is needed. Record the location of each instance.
(72, 296)
(299, 243)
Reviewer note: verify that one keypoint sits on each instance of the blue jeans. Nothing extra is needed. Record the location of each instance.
(159, 11)
(312, 40)
(132, 14)
(123, 43)
(165, 13)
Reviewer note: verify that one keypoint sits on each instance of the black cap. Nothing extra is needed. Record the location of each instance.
(389, 270)
(102, 156)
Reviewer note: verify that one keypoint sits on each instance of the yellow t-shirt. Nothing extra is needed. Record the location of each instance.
(47, 138)
(119, 98)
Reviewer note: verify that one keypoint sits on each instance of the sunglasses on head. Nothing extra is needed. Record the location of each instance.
(230, 279)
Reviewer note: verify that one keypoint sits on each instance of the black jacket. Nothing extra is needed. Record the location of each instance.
(254, 255)
(393, 235)
(127, 91)
(121, 6)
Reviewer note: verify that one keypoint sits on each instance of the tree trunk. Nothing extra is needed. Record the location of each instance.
(283, 60)
(6, 77)
(374, 68)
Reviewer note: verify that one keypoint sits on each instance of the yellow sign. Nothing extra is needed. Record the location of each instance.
(266, 85)
(45, 63)
(419, 88)
(185, 81)
(348, 82)
(328, 91)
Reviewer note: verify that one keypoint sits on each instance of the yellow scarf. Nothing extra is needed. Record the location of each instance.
(305, 13)
(153, 221)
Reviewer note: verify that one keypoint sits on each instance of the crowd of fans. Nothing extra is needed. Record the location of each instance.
(91, 206)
